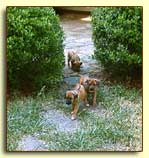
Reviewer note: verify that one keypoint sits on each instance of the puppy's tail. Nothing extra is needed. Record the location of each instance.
(81, 79)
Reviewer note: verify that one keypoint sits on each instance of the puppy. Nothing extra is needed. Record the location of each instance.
(74, 59)
(90, 85)
(74, 97)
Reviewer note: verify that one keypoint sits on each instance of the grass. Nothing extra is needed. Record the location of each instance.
(115, 124)
(22, 118)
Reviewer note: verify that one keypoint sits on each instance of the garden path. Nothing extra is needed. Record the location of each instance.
(78, 37)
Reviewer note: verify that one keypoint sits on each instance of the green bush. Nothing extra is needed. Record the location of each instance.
(34, 47)
(117, 35)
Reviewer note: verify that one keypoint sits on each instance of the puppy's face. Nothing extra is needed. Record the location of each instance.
(76, 64)
(70, 97)
(91, 84)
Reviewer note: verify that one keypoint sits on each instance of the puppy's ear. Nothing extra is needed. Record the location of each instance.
(86, 82)
(97, 81)
(65, 96)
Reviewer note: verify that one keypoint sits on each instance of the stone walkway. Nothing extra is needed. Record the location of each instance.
(62, 122)
(78, 37)
(31, 143)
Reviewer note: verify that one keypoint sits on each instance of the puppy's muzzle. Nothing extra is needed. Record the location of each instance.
(68, 102)
(92, 89)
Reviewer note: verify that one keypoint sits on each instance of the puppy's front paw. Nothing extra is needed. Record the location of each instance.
(73, 117)
(87, 105)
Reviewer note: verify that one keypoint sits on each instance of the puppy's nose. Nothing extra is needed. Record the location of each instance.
(68, 102)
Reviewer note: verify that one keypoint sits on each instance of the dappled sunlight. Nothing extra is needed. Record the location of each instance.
(88, 18)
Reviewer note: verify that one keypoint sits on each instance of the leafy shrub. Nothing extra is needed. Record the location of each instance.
(34, 47)
(117, 35)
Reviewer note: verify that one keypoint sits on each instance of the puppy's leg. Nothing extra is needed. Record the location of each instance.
(69, 61)
(73, 107)
(94, 98)
(75, 110)
(86, 101)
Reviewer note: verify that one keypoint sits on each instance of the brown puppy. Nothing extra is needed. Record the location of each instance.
(90, 85)
(74, 97)
(74, 59)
